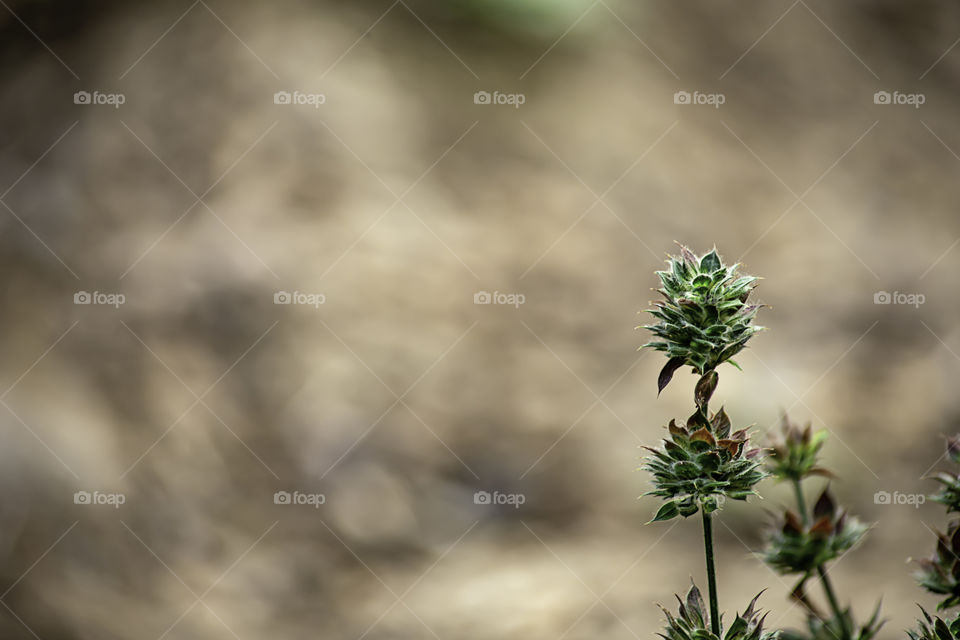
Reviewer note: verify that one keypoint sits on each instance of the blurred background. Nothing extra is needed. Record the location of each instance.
(285, 285)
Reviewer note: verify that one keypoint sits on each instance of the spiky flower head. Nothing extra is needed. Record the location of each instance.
(693, 622)
(700, 464)
(935, 628)
(949, 493)
(793, 455)
(704, 317)
(940, 573)
(798, 548)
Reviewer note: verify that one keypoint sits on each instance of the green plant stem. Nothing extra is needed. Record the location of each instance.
(821, 571)
(711, 573)
(708, 547)
(832, 597)
(801, 503)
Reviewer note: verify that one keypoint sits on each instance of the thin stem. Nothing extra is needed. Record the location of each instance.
(800, 596)
(831, 596)
(801, 503)
(708, 543)
(711, 573)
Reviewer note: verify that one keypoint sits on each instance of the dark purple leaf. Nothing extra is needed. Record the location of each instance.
(666, 374)
(706, 385)
(825, 507)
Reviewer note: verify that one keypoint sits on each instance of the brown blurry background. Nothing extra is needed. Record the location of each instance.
(398, 199)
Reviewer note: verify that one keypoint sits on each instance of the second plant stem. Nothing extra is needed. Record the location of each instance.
(831, 596)
(821, 571)
(708, 549)
(711, 573)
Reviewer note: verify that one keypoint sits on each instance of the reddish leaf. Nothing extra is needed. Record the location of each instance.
(706, 385)
(721, 423)
(791, 523)
(733, 446)
(677, 430)
(704, 435)
(823, 527)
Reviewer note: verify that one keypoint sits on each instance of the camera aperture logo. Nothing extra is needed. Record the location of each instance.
(99, 297)
(512, 299)
(298, 97)
(912, 299)
(99, 498)
(299, 297)
(899, 98)
(298, 498)
(99, 98)
(512, 99)
(497, 498)
(710, 99)
(912, 499)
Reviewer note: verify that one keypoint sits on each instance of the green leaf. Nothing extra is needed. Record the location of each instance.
(678, 270)
(688, 508)
(686, 470)
(668, 511)
(943, 632)
(710, 262)
(702, 281)
(737, 628)
(710, 504)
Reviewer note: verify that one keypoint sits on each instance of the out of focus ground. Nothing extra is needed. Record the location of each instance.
(398, 200)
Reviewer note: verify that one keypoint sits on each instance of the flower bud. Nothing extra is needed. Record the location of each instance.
(704, 318)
